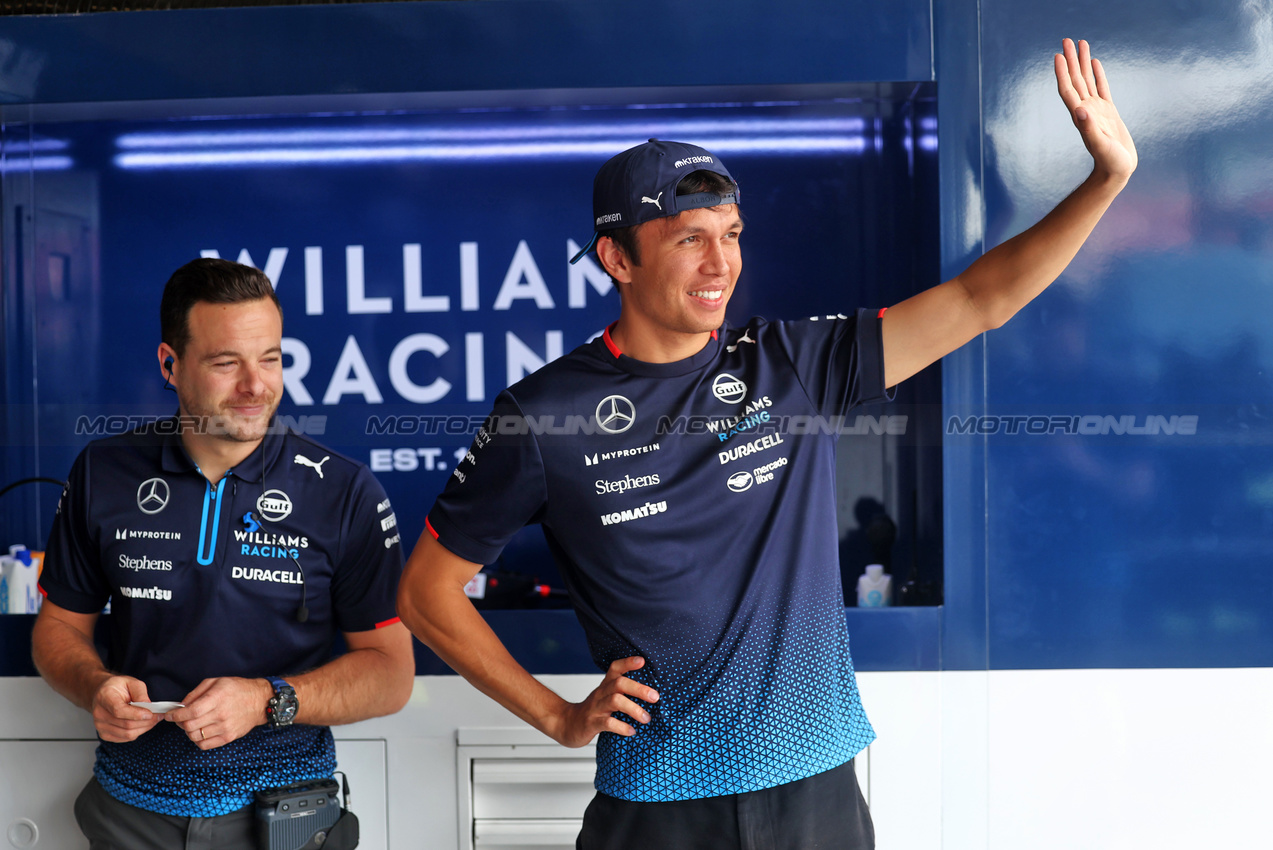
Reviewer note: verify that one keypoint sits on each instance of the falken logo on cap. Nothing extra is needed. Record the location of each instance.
(690, 160)
(606, 219)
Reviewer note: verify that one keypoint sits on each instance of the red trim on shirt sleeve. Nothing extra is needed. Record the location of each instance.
(880, 315)
(429, 526)
(43, 592)
(609, 341)
(388, 622)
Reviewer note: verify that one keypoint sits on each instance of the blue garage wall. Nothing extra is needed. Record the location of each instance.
(1061, 550)
(1133, 549)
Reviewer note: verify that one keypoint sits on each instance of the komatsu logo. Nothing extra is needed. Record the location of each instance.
(648, 509)
(146, 593)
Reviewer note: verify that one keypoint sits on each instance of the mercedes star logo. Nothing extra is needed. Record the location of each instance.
(615, 414)
(152, 495)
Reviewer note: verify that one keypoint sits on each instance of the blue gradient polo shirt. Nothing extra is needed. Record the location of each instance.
(691, 509)
(202, 584)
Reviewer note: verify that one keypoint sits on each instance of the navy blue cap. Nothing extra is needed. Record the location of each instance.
(639, 185)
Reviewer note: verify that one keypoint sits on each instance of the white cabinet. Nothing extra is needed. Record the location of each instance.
(519, 789)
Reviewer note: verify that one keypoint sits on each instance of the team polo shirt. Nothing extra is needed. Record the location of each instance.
(202, 583)
(691, 508)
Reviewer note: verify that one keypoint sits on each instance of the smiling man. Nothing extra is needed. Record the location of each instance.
(232, 553)
(696, 533)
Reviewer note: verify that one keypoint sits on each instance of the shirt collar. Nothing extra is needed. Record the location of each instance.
(177, 459)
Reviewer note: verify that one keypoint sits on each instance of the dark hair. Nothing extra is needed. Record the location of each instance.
(207, 280)
(691, 184)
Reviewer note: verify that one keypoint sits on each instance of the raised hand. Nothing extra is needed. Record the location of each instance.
(1081, 81)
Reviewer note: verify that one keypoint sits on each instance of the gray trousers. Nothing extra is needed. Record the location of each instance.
(111, 825)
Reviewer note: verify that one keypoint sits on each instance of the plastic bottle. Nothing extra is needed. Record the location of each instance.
(20, 580)
(875, 588)
(6, 576)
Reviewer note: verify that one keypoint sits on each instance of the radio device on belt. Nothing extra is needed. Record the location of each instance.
(306, 816)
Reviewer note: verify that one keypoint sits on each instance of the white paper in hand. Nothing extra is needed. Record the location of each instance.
(158, 707)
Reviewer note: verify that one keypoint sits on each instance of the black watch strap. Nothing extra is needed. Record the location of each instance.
(282, 707)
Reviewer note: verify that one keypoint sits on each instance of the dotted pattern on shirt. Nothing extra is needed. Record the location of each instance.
(182, 780)
(752, 714)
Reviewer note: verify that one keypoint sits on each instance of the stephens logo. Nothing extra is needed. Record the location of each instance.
(143, 563)
(729, 389)
(274, 505)
(615, 414)
(739, 482)
(152, 495)
(625, 483)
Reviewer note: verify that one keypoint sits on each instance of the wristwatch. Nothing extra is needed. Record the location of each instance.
(282, 707)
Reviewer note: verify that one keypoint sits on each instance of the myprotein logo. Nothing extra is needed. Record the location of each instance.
(615, 414)
(143, 563)
(274, 505)
(626, 483)
(157, 593)
(647, 510)
(597, 458)
(142, 534)
(728, 389)
(152, 495)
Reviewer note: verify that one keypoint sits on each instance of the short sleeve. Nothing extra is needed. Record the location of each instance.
(365, 577)
(72, 577)
(497, 489)
(839, 359)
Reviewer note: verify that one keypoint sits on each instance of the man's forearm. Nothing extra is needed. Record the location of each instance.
(362, 683)
(1007, 277)
(67, 660)
(446, 621)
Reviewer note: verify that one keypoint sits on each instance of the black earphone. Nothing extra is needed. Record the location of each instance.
(168, 368)
(302, 611)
